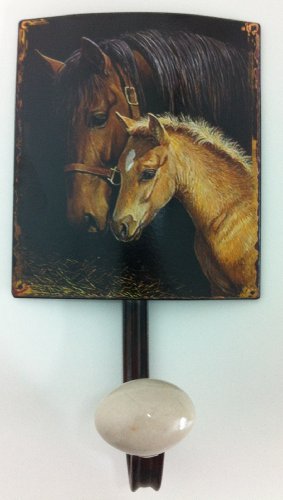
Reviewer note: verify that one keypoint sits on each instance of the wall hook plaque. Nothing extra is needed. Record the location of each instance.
(137, 162)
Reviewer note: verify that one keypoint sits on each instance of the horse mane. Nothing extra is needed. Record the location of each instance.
(202, 133)
(192, 70)
(192, 74)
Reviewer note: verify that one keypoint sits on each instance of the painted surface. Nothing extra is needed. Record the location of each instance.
(71, 91)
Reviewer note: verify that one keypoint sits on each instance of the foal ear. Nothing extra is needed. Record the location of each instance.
(157, 130)
(53, 65)
(93, 54)
(127, 123)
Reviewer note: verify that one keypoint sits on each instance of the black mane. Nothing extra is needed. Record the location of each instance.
(193, 74)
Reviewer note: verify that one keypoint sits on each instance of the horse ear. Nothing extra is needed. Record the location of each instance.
(53, 65)
(127, 123)
(93, 54)
(157, 130)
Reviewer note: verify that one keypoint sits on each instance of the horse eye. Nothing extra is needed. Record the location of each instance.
(147, 175)
(97, 120)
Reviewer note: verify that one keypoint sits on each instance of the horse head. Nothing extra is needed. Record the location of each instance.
(92, 90)
(146, 183)
(169, 72)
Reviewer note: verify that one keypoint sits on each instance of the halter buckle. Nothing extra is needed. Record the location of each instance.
(131, 96)
(111, 179)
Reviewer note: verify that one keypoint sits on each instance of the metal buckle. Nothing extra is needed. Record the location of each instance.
(112, 177)
(130, 92)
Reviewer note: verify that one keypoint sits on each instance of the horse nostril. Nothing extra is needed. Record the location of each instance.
(124, 230)
(91, 223)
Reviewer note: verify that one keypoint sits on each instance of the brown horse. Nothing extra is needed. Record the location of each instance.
(214, 181)
(133, 74)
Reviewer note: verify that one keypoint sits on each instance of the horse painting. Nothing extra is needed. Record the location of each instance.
(148, 71)
(213, 179)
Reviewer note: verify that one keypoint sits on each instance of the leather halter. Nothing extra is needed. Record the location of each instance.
(132, 100)
(108, 174)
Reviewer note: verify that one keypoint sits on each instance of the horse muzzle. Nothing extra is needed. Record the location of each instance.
(126, 229)
(88, 199)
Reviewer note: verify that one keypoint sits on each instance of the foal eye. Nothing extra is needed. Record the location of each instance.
(147, 175)
(97, 120)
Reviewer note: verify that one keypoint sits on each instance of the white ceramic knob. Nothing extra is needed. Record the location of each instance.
(145, 417)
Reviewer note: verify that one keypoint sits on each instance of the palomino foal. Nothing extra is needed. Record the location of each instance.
(216, 184)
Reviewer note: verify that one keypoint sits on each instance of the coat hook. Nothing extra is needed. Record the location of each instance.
(143, 417)
(142, 471)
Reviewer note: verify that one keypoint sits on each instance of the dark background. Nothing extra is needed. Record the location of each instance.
(62, 35)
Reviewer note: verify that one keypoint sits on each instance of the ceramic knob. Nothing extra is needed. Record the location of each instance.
(145, 417)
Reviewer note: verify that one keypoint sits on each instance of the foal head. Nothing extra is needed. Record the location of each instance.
(91, 90)
(146, 183)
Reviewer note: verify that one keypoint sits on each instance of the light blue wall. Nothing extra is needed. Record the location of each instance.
(58, 358)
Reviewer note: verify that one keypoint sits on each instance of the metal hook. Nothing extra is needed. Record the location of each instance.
(143, 472)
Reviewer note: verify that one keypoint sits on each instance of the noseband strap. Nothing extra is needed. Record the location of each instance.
(108, 174)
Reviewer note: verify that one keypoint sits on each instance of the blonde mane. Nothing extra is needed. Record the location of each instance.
(201, 132)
